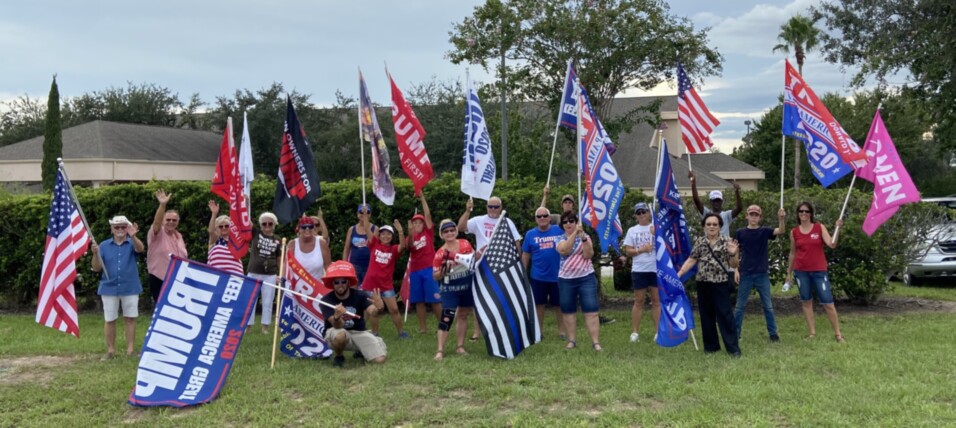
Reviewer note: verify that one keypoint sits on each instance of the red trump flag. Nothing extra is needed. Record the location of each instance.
(227, 183)
(410, 136)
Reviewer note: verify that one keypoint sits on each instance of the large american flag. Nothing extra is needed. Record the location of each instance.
(503, 299)
(696, 122)
(66, 241)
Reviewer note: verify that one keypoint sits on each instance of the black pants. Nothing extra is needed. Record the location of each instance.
(716, 312)
(155, 286)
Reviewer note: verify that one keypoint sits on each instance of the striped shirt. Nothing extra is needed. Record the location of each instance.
(574, 265)
(220, 257)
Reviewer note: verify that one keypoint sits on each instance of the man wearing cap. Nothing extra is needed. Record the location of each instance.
(639, 246)
(754, 268)
(120, 286)
(423, 289)
(483, 226)
(717, 204)
(540, 254)
(342, 331)
(163, 239)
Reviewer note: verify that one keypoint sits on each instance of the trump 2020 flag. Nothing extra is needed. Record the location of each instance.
(477, 162)
(677, 313)
(892, 185)
(503, 300)
(603, 191)
(409, 137)
(301, 324)
(669, 221)
(227, 183)
(298, 184)
(568, 116)
(193, 338)
(382, 185)
(66, 241)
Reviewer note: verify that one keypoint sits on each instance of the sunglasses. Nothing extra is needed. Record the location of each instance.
(571, 221)
(493, 207)
(119, 227)
(223, 226)
(712, 224)
(803, 211)
(542, 215)
(450, 229)
(639, 212)
(340, 282)
(267, 224)
(307, 227)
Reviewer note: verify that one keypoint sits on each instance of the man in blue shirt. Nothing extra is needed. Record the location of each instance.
(539, 250)
(753, 272)
(120, 285)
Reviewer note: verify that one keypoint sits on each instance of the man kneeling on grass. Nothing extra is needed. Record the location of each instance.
(342, 331)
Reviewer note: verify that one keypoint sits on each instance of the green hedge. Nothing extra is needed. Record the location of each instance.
(859, 266)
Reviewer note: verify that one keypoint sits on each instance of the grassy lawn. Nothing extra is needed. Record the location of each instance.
(895, 370)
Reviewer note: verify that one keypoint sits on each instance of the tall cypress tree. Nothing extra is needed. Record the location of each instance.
(52, 138)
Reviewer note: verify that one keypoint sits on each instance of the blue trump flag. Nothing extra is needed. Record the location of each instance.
(568, 113)
(603, 191)
(825, 162)
(672, 249)
(194, 335)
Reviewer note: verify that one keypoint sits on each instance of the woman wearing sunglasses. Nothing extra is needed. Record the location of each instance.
(809, 265)
(713, 254)
(576, 281)
(264, 264)
(219, 255)
(452, 270)
(309, 249)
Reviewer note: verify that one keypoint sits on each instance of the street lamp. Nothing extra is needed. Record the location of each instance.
(747, 122)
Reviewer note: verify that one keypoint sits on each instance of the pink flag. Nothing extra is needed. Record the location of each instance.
(892, 185)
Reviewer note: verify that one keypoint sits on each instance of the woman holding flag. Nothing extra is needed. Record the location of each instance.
(576, 281)
(809, 265)
(453, 271)
(219, 255)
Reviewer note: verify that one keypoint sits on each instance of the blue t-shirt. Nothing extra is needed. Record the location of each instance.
(753, 249)
(119, 261)
(543, 248)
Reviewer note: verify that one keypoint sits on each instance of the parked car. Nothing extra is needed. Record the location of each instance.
(939, 257)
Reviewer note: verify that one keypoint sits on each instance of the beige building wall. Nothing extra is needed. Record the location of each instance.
(105, 171)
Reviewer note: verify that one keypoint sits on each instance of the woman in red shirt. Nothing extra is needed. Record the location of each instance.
(808, 265)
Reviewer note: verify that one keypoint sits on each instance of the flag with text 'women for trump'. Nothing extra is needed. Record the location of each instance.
(892, 185)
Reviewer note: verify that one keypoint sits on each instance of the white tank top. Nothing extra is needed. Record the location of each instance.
(312, 262)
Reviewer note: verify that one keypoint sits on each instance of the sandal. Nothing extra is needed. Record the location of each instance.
(461, 350)
(474, 338)
(571, 345)
(597, 347)
(840, 339)
(439, 355)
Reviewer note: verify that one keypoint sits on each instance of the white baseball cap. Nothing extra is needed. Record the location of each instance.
(716, 194)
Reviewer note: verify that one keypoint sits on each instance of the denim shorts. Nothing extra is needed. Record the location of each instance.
(545, 292)
(388, 293)
(642, 280)
(584, 288)
(811, 283)
(457, 299)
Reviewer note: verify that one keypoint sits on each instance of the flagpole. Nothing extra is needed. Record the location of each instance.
(783, 159)
(361, 140)
(578, 149)
(557, 125)
(690, 167)
(86, 224)
(836, 230)
(657, 180)
(275, 330)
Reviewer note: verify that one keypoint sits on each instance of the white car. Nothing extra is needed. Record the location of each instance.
(939, 259)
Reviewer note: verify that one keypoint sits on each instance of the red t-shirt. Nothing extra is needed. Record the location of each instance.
(421, 249)
(809, 256)
(381, 265)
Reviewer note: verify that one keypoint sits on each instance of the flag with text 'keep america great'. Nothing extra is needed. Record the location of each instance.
(503, 300)
(298, 183)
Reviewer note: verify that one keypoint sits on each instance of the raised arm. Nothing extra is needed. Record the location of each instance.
(693, 192)
(138, 246)
(401, 235)
(429, 224)
(214, 209)
(463, 220)
(323, 229)
(163, 199)
(739, 205)
(544, 196)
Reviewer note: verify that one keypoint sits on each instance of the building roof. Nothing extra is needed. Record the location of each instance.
(100, 139)
(717, 162)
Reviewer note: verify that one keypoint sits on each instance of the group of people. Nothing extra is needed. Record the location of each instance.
(557, 255)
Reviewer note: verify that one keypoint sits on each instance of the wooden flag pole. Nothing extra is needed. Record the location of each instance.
(275, 330)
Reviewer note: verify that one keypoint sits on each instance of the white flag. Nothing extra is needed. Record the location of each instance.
(245, 160)
(478, 162)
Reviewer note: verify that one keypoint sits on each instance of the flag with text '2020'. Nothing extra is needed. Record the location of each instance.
(193, 339)
(503, 300)
(669, 220)
(478, 168)
(66, 241)
(892, 185)
(301, 324)
(603, 191)
(409, 137)
(382, 185)
(227, 183)
(568, 115)
(298, 184)
(696, 122)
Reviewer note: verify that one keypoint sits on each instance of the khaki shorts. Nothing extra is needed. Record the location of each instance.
(370, 345)
(111, 306)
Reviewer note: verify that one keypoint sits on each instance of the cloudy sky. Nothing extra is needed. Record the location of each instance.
(315, 47)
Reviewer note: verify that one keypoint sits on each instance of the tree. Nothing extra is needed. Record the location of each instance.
(22, 119)
(145, 104)
(52, 138)
(800, 35)
(914, 38)
(617, 44)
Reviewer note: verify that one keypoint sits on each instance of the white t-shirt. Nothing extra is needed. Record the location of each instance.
(483, 226)
(727, 217)
(637, 237)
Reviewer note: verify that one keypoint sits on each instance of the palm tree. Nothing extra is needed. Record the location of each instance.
(800, 34)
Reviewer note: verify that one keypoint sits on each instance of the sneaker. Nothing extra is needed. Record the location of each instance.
(403, 335)
(338, 361)
(605, 320)
(634, 337)
(655, 337)
(774, 338)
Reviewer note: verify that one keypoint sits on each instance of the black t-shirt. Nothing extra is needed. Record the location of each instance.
(753, 249)
(357, 302)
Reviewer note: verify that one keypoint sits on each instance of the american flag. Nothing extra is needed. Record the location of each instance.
(66, 241)
(696, 122)
(503, 299)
